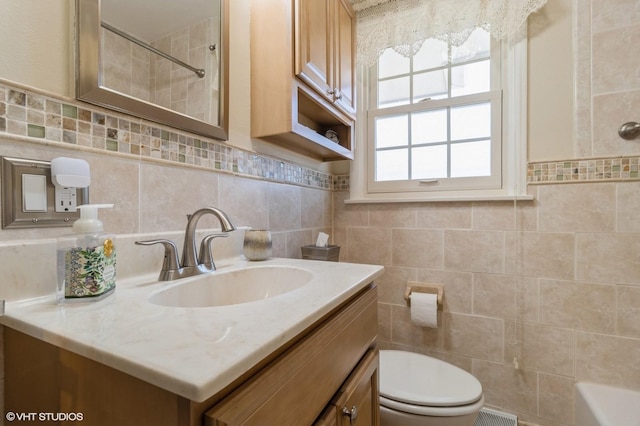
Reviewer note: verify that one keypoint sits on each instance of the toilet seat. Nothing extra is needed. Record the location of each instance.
(419, 384)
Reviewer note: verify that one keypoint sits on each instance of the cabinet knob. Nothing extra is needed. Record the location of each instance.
(352, 414)
(331, 91)
(337, 94)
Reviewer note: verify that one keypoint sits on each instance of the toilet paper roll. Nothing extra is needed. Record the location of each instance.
(424, 309)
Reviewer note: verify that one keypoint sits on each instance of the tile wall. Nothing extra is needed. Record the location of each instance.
(554, 283)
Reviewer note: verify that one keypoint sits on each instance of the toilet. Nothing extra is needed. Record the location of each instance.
(417, 390)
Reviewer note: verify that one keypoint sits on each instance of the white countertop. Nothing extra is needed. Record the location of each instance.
(192, 352)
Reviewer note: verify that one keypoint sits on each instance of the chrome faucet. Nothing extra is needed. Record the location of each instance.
(192, 263)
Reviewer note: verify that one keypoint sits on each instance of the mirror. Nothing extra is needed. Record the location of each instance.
(162, 61)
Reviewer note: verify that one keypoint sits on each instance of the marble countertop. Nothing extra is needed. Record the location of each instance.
(192, 352)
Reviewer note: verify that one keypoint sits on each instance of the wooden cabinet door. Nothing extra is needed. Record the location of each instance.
(328, 418)
(345, 65)
(357, 402)
(314, 45)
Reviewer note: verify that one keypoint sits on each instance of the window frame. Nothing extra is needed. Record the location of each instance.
(512, 132)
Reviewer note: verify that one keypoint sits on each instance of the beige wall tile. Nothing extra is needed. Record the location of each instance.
(613, 14)
(284, 207)
(109, 176)
(418, 248)
(392, 284)
(168, 194)
(549, 255)
(528, 299)
(295, 240)
(369, 245)
(473, 336)
(540, 348)
(245, 200)
(457, 288)
(504, 386)
(614, 66)
(628, 318)
(348, 214)
(494, 296)
(628, 207)
(608, 359)
(394, 215)
(444, 215)
(494, 215)
(556, 398)
(475, 251)
(608, 258)
(315, 208)
(557, 207)
(610, 111)
(578, 305)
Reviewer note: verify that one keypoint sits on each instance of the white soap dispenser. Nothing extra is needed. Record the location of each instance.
(86, 259)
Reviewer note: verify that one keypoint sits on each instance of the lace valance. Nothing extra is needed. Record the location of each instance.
(405, 24)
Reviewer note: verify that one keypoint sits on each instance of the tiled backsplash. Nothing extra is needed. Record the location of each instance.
(28, 113)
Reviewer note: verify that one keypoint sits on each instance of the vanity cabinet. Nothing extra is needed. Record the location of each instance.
(331, 365)
(303, 76)
(356, 403)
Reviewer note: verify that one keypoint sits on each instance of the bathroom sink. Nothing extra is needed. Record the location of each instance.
(232, 287)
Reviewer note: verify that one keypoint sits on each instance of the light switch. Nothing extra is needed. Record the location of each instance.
(34, 193)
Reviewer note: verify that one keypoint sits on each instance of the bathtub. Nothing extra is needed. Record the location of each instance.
(600, 405)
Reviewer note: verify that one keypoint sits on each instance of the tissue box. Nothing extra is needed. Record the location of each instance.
(312, 252)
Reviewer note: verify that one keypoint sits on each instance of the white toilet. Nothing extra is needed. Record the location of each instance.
(417, 390)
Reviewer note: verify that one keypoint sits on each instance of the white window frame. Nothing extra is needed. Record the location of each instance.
(513, 134)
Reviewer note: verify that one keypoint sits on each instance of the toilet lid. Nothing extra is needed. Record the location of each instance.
(417, 379)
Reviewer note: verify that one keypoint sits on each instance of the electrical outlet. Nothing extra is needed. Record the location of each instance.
(66, 199)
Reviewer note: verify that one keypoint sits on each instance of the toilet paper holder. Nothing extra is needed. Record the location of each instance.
(417, 287)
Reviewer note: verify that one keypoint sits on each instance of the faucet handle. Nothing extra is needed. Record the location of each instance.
(171, 262)
(205, 257)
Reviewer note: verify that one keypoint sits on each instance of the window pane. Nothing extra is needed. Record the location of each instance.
(429, 162)
(477, 46)
(392, 131)
(392, 63)
(429, 127)
(433, 85)
(392, 165)
(433, 53)
(471, 121)
(471, 159)
(471, 78)
(393, 92)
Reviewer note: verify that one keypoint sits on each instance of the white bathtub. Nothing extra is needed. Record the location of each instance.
(600, 405)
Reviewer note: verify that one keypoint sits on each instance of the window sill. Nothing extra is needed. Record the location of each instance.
(436, 198)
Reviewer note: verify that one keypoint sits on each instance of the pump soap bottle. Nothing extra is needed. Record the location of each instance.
(86, 259)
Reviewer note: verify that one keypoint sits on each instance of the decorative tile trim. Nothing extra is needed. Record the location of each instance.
(585, 170)
(25, 112)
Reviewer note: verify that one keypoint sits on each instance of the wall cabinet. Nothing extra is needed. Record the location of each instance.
(303, 75)
(325, 56)
(330, 366)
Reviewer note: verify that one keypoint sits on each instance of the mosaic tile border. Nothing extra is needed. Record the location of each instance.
(25, 112)
(585, 170)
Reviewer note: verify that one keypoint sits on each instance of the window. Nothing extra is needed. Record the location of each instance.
(436, 123)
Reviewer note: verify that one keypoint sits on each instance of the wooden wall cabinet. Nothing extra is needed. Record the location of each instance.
(331, 365)
(303, 75)
(325, 54)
